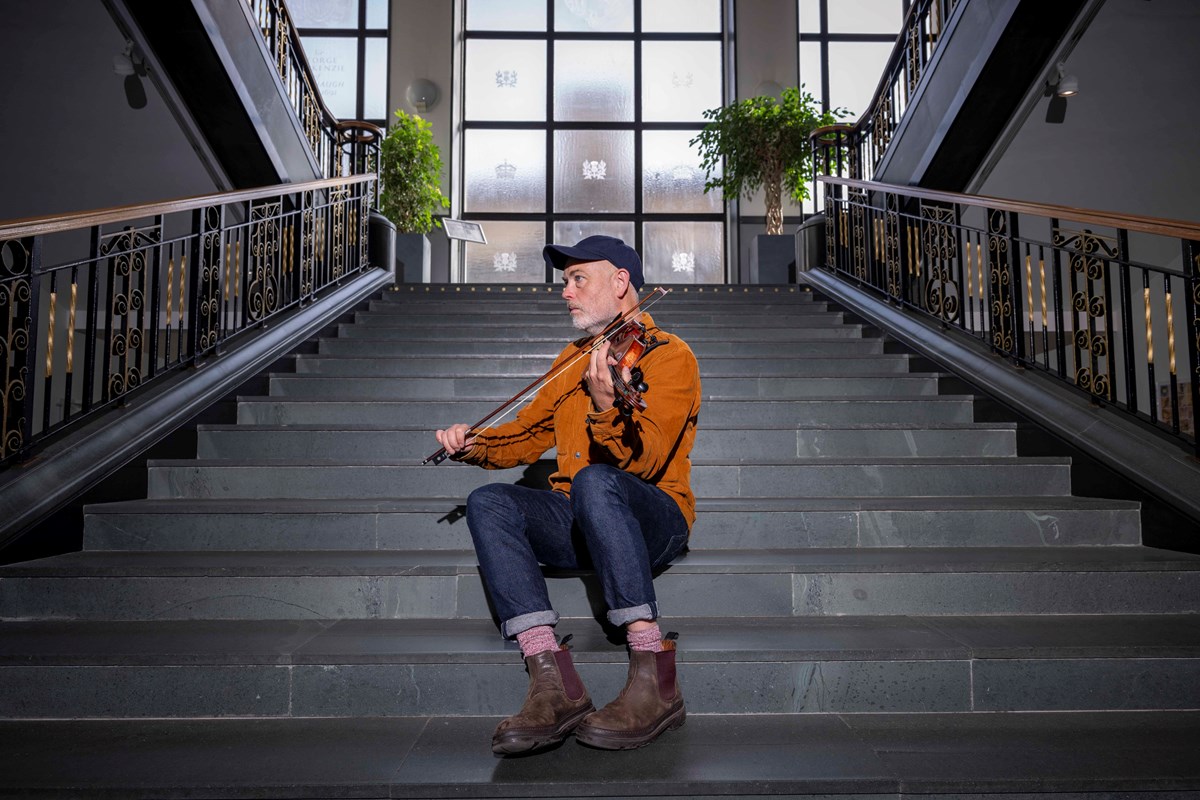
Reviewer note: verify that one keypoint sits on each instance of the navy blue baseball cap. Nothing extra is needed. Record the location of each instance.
(597, 248)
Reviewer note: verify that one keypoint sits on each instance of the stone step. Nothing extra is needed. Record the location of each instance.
(428, 414)
(415, 387)
(348, 442)
(565, 333)
(724, 358)
(861, 756)
(325, 668)
(257, 479)
(552, 292)
(556, 306)
(734, 343)
(838, 582)
(561, 320)
(725, 523)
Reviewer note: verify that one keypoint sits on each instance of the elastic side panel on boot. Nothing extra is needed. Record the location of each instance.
(572, 684)
(665, 663)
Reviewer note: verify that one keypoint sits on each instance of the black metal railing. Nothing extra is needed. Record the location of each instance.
(1106, 303)
(346, 147)
(96, 305)
(863, 144)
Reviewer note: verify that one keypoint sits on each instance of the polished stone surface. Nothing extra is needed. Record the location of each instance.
(855, 755)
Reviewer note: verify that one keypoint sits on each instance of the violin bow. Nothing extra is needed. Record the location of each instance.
(533, 388)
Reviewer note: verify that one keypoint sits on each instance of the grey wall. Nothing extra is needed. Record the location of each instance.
(70, 140)
(1129, 141)
(422, 32)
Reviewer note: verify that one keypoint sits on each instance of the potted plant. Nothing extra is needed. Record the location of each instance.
(410, 171)
(763, 142)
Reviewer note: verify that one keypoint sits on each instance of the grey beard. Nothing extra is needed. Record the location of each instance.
(589, 325)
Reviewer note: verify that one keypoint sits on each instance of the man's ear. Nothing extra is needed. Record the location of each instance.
(621, 282)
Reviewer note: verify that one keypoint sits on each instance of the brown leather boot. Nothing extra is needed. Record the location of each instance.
(649, 704)
(555, 704)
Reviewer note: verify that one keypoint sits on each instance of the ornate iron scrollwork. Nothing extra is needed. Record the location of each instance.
(262, 297)
(1088, 255)
(891, 247)
(209, 289)
(1001, 283)
(858, 231)
(939, 244)
(128, 254)
(15, 295)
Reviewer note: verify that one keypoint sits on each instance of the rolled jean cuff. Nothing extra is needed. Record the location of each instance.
(624, 616)
(511, 627)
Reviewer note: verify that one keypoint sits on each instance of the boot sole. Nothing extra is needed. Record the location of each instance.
(605, 740)
(512, 743)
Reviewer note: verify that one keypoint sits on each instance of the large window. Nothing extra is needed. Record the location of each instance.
(577, 116)
(844, 46)
(346, 42)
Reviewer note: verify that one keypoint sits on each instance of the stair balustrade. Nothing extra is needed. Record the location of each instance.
(864, 143)
(96, 305)
(1102, 302)
(341, 147)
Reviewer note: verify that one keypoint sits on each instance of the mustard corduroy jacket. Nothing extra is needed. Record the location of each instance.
(653, 444)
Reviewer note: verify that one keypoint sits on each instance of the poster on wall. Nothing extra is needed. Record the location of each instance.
(1186, 417)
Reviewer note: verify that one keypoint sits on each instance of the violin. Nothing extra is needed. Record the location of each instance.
(628, 345)
(628, 338)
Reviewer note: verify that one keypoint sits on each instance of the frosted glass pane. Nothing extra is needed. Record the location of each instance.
(513, 254)
(684, 252)
(673, 181)
(810, 68)
(593, 15)
(571, 232)
(593, 81)
(375, 78)
(866, 16)
(506, 15)
(680, 80)
(377, 13)
(593, 171)
(681, 16)
(335, 63)
(506, 80)
(810, 16)
(854, 72)
(506, 171)
(324, 13)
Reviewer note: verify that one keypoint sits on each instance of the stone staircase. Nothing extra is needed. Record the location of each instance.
(874, 575)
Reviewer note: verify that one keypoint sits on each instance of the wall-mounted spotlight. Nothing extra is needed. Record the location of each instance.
(132, 66)
(422, 94)
(1059, 86)
(1064, 85)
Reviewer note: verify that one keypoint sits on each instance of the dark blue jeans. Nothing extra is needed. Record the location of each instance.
(614, 523)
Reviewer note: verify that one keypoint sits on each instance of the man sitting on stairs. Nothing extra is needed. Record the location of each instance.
(620, 503)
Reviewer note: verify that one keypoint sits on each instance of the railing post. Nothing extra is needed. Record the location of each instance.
(1191, 300)
(1000, 283)
(18, 352)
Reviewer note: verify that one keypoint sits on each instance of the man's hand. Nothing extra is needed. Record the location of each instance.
(599, 378)
(454, 439)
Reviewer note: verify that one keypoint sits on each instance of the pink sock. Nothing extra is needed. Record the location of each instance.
(649, 640)
(537, 639)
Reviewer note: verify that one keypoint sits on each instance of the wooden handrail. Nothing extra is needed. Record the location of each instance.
(37, 226)
(1179, 229)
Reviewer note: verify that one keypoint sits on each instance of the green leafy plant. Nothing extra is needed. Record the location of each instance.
(763, 143)
(411, 172)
